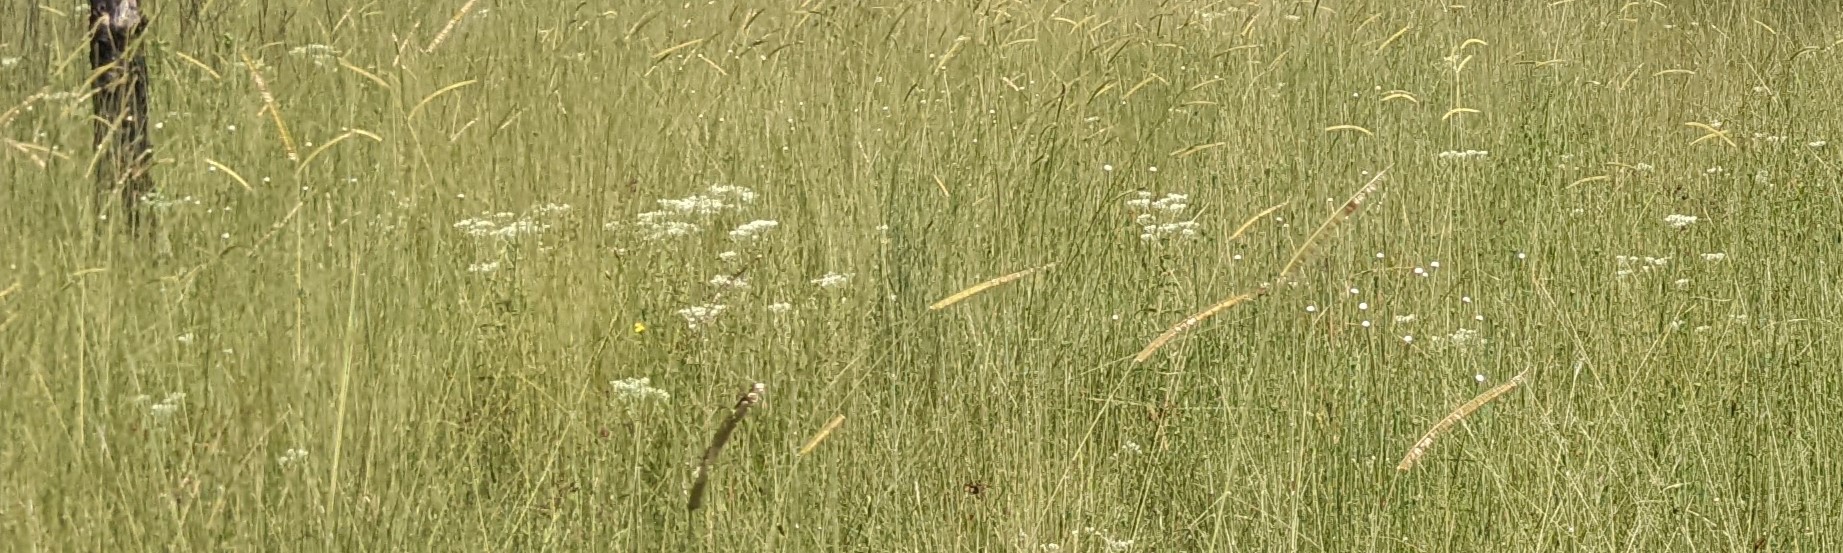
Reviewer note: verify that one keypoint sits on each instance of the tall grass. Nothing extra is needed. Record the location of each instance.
(434, 338)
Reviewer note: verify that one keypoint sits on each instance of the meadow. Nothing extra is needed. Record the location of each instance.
(489, 276)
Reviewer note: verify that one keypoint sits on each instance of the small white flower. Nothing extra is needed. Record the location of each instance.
(1409, 339)
(832, 280)
(1107, 167)
(292, 456)
(1364, 306)
(184, 338)
(699, 316)
(780, 307)
(727, 281)
(1480, 377)
(753, 230)
(638, 390)
(1714, 257)
(1311, 309)
(1682, 284)
(1354, 291)
(1365, 324)
(1679, 221)
(1434, 264)
(1817, 144)
(1404, 319)
(1379, 255)
(483, 267)
(1465, 299)
(728, 256)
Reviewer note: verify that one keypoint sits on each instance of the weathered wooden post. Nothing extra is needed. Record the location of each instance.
(119, 92)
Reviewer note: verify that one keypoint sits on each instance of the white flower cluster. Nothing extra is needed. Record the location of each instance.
(677, 217)
(1714, 257)
(729, 282)
(1464, 338)
(165, 408)
(1679, 222)
(699, 316)
(638, 390)
(1628, 265)
(753, 230)
(1451, 155)
(1159, 219)
(292, 456)
(832, 280)
(506, 225)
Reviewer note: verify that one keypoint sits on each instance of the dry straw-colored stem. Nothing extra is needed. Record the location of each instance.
(268, 104)
(1344, 212)
(749, 398)
(1193, 321)
(821, 436)
(452, 21)
(1420, 448)
(976, 289)
(1243, 229)
(1349, 207)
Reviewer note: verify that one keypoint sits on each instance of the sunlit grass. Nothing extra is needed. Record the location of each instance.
(482, 276)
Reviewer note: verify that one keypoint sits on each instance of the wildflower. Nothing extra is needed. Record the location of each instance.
(184, 339)
(483, 267)
(1480, 378)
(1817, 144)
(753, 230)
(1464, 338)
(166, 407)
(1682, 284)
(728, 256)
(292, 456)
(1680, 221)
(1311, 309)
(638, 390)
(1714, 257)
(1450, 155)
(780, 307)
(832, 280)
(727, 281)
(1363, 306)
(1107, 167)
(1404, 319)
(698, 316)
(639, 327)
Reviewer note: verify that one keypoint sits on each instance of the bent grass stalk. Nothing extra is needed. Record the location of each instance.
(1243, 229)
(976, 289)
(1311, 242)
(1349, 207)
(1420, 447)
(821, 436)
(749, 398)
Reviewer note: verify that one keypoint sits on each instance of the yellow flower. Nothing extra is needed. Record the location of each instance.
(639, 328)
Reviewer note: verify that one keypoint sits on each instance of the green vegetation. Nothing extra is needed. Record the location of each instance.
(423, 328)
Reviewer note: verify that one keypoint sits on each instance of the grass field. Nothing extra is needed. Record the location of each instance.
(489, 277)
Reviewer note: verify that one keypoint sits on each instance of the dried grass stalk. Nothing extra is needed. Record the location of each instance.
(1292, 265)
(976, 289)
(1311, 242)
(1193, 321)
(1420, 448)
(269, 104)
(749, 398)
(1243, 229)
(821, 436)
(452, 21)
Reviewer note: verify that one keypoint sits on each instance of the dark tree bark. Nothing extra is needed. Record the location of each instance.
(120, 96)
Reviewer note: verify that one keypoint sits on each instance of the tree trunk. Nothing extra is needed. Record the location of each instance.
(120, 96)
